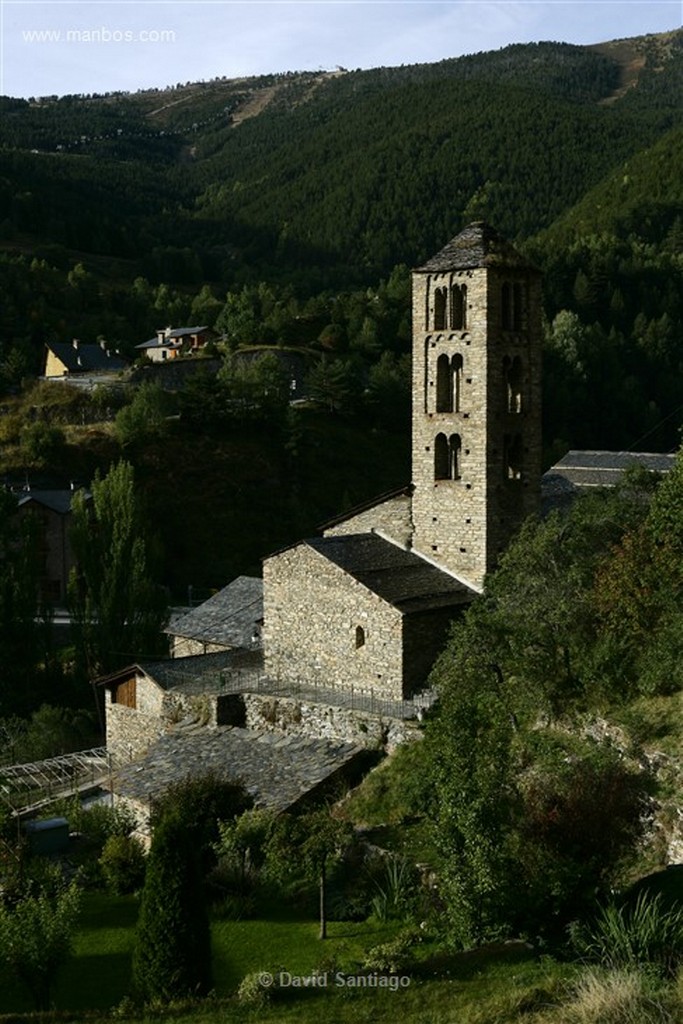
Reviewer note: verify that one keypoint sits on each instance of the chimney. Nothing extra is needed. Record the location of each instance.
(167, 332)
(75, 343)
(103, 345)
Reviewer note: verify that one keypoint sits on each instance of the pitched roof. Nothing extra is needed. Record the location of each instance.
(602, 469)
(58, 501)
(181, 332)
(231, 617)
(198, 674)
(402, 578)
(161, 343)
(477, 245)
(85, 358)
(276, 770)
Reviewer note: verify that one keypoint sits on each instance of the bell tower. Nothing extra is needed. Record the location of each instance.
(476, 400)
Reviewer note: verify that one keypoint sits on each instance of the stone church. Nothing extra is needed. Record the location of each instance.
(368, 604)
(285, 681)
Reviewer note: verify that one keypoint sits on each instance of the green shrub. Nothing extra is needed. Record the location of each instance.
(394, 957)
(633, 936)
(616, 997)
(123, 864)
(172, 956)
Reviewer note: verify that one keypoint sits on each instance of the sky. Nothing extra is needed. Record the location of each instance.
(50, 47)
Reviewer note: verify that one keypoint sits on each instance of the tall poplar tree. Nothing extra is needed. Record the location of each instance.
(118, 610)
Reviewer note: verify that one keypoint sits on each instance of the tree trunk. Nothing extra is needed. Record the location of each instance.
(323, 914)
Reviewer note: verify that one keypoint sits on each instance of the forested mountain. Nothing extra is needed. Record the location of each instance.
(123, 212)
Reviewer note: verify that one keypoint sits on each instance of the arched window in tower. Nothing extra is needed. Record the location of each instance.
(440, 309)
(506, 306)
(513, 456)
(444, 385)
(454, 449)
(441, 458)
(459, 307)
(512, 379)
(456, 381)
(447, 457)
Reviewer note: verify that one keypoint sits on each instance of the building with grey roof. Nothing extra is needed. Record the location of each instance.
(76, 359)
(232, 618)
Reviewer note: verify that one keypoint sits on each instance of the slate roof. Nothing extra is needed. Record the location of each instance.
(601, 469)
(402, 578)
(85, 358)
(231, 617)
(58, 501)
(276, 770)
(160, 343)
(181, 332)
(197, 674)
(477, 245)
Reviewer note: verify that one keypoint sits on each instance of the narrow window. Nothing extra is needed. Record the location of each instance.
(441, 457)
(440, 309)
(360, 637)
(459, 307)
(514, 385)
(444, 385)
(454, 447)
(456, 382)
(513, 456)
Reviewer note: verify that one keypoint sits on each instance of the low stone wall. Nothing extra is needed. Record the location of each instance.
(264, 712)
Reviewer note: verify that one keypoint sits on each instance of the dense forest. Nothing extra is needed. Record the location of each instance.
(269, 206)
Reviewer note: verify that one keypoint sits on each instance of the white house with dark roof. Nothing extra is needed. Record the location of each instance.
(171, 342)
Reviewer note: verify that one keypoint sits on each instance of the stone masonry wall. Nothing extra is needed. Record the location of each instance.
(325, 721)
(131, 731)
(312, 614)
(392, 518)
(185, 647)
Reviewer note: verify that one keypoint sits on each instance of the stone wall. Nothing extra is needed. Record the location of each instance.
(321, 626)
(186, 647)
(325, 721)
(130, 731)
(393, 518)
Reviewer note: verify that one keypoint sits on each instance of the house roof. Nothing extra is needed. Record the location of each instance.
(477, 245)
(601, 469)
(160, 343)
(402, 578)
(198, 674)
(398, 492)
(57, 501)
(231, 617)
(276, 770)
(85, 358)
(181, 332)
(172, 339)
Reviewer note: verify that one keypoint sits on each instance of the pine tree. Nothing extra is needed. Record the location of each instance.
(172, 956)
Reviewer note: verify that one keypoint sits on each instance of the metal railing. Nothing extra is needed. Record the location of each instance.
(253, 680)
(30, 786)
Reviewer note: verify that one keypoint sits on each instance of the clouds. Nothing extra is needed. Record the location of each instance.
(61, 47)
